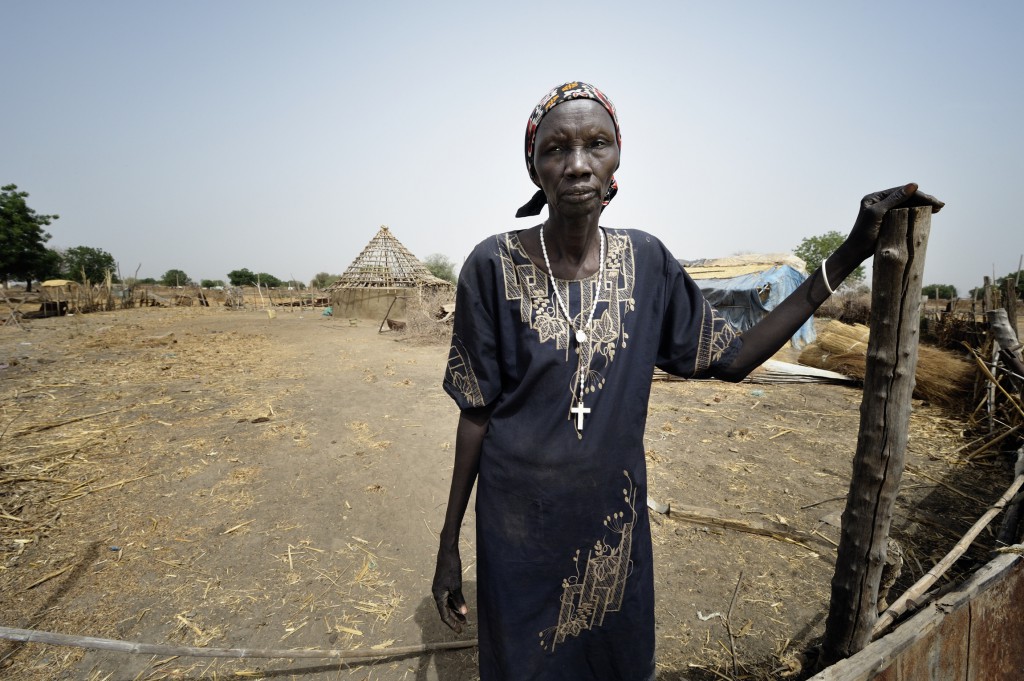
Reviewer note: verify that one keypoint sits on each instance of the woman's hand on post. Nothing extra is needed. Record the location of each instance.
(447, 589)
(873, 208)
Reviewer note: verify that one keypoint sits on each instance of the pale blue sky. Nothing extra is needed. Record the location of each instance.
(210, 136)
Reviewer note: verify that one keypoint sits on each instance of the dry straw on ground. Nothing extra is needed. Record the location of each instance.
(427, 320)
(90, 413)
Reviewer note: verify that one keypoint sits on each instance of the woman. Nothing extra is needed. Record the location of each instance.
(557, 331)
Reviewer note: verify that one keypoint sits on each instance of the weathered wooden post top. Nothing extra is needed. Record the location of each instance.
(882, 439)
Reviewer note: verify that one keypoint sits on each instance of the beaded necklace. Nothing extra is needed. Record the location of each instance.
(580, 334)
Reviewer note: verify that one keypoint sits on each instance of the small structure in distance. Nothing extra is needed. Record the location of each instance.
(745, 288)
(383, 277)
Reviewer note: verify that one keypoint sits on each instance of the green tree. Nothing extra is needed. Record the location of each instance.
(814, 249)
(23, 252)
(211, 283)
(270, 280)
(944, 291)
(50, 265)
(149, 281)
(88, 262)
(175, 278)
(323, 279)
(1017, 277)
(441, 266)
(242, 277)
(1000, 284)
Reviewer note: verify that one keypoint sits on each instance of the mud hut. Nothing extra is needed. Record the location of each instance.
(384, 276)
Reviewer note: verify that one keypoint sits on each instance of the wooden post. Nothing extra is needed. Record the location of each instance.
(882, 439)
(1010, 303)
(987, 292)
(1006, 339)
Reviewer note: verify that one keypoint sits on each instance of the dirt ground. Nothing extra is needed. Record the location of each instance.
(213, 478)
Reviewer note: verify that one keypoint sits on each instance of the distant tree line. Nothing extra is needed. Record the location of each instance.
(940, 291)
(24, 256)
(1000, 283)
(246, 277)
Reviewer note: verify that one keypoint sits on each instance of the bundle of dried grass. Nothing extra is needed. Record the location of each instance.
(942, 377)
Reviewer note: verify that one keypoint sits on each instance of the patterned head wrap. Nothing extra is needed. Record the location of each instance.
(564, 93)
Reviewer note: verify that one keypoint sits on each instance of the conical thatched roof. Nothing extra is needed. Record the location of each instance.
(386, 263)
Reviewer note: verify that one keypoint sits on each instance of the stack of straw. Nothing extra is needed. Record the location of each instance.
(942, 377)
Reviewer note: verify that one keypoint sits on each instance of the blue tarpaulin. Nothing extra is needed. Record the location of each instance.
(745, 299)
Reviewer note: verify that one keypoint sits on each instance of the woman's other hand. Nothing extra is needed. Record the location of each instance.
(873, 208)
(447, 589)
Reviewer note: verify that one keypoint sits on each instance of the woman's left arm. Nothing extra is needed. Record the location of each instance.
(765, 338)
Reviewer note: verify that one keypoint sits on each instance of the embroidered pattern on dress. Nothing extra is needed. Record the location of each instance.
(530, 286)
(716, 336)
(587, 598)
(460, 373)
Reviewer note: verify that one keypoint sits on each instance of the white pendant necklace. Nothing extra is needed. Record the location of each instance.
(578, 409)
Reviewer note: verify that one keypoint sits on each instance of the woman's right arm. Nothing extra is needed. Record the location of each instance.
(447, 586)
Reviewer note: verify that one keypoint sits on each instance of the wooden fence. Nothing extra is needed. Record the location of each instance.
(971, 634)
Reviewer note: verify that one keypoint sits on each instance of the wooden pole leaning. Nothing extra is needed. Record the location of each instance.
(882, 438)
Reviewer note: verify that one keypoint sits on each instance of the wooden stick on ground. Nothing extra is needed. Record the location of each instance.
(728, 627)
(912, 470)
(119, 483)
(136, 648)
(58, 424)
(46, 578)
(694, 514)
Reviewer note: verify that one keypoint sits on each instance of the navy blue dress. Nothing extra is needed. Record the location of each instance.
(565, 577)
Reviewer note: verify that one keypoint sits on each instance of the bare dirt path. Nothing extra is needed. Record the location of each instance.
(217, 478)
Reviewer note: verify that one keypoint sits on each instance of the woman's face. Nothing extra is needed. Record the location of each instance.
(575, 156)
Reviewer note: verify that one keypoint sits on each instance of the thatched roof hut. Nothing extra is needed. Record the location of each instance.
(384, 275)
